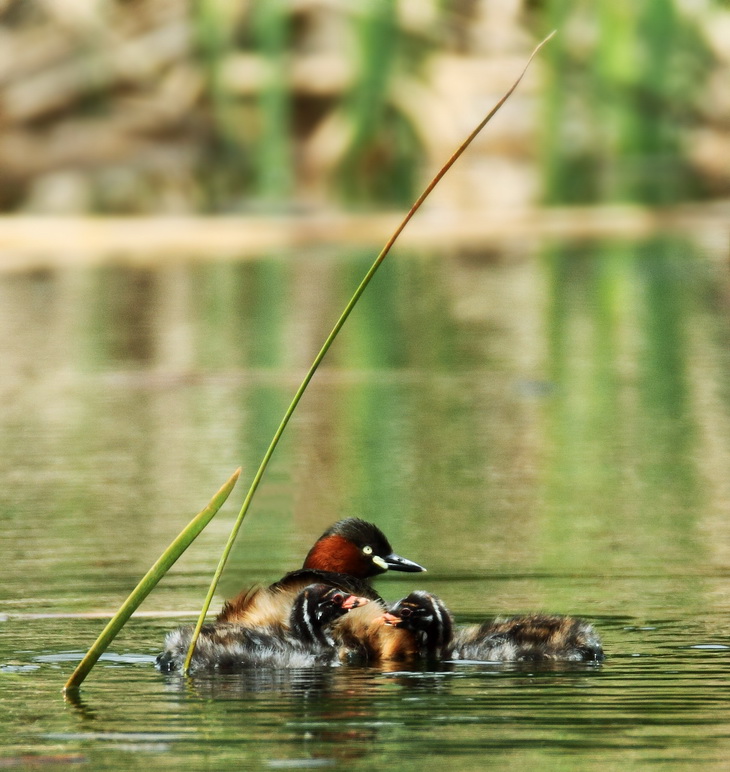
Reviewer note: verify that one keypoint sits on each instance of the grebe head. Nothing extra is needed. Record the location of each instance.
(425, 616)
(357, 548)
(316, 607)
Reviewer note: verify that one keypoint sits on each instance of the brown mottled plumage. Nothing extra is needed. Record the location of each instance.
(367, 640)
(528, 638)
(305, 641)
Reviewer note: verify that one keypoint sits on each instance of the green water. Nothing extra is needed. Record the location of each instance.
(545, 428)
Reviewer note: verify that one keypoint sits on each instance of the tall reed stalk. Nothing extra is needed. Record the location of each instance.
(328, 342)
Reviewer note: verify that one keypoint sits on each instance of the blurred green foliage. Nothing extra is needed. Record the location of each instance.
(223, 106)
(254, 140)
(623, 89)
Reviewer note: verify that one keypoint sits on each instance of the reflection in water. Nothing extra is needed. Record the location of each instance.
(246, 683)
(655, 699)
(622, 435)
(342, 713)
(546, 432)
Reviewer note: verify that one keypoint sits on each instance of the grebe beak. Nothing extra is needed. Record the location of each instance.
(397, 563)
(391, 619)
(352, 601)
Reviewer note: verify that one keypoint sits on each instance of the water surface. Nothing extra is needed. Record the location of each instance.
(544, 427)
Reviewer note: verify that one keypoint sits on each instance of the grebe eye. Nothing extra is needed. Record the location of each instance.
(368, 550)
(405, 612)
(338, 598)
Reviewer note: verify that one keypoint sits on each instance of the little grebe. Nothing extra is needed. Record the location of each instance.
(305, 642)
(346, 556)
(528, 638)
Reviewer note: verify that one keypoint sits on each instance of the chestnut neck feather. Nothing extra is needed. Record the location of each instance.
(338, 554)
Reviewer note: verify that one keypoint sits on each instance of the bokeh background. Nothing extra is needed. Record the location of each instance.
(561, 300)
(282, 141)
(168, 106)
(532, 398)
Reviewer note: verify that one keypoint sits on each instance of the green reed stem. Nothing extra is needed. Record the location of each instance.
(148, 582)
(330, 338)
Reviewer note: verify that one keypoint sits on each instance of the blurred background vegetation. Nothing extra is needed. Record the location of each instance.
(234, 106)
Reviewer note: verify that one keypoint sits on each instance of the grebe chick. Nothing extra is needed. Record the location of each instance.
(305, 642)
(347, 555)
(528, 638)
(428, 622)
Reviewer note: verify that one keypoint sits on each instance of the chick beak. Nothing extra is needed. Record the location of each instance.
(391, 619)
(352, 601)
